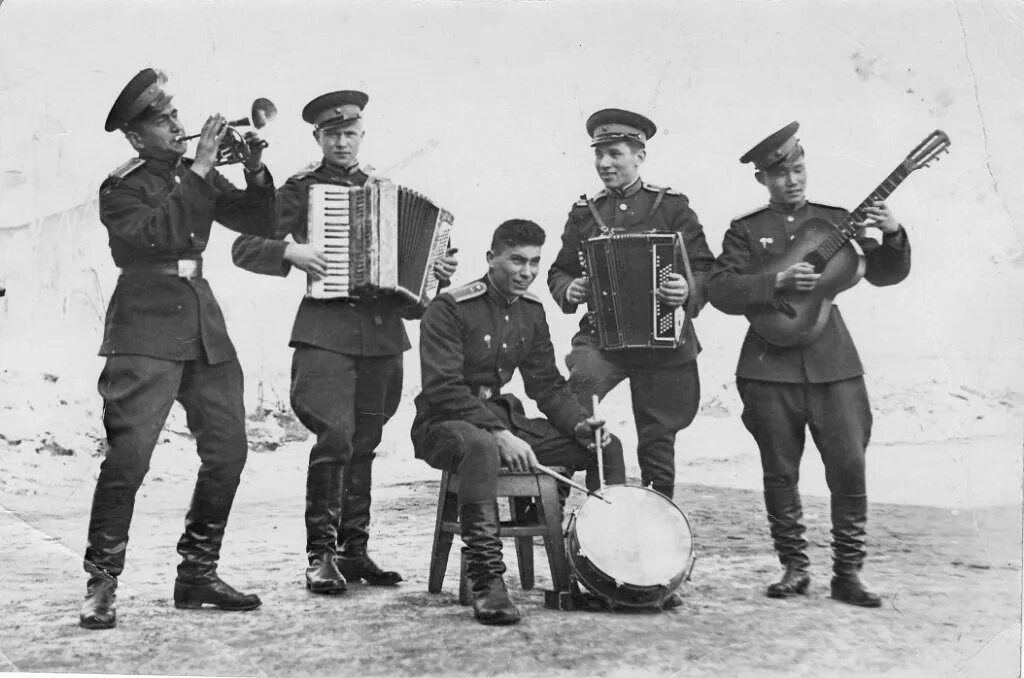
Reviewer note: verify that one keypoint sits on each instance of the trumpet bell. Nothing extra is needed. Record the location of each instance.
(263, 111)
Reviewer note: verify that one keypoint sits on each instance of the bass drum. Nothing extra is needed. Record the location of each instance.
(633, 552)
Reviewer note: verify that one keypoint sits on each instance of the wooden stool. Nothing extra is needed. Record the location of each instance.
(548, 524)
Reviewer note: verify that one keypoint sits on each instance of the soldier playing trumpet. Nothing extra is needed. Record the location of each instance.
(165, 340)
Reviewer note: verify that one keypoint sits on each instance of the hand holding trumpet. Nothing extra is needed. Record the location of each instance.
(210, 138)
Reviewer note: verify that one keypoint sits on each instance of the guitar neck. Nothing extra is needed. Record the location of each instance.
(848, 228)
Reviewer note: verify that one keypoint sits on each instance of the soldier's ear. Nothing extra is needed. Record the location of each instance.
(641, 155)
(134, 139)
(759, 175)
(490, 257)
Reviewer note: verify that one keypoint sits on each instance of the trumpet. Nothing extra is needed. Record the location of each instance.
(234, 147)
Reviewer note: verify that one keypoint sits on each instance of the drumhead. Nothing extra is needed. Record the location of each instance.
(640, 538)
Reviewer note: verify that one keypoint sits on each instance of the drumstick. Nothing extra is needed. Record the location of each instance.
(571, 483)
(597, 446)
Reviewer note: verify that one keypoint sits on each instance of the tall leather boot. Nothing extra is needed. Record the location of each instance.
(849, 532)
(112, 508)
(323, 511)
(785, 515)
(354, 527)
(484, 566)
(197, 583)
(98, 610)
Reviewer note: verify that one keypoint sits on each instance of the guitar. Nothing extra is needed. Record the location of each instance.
(799, 317)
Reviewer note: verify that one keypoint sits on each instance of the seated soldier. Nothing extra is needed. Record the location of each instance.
(472, 340)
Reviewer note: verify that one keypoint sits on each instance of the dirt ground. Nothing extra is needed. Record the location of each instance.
(950, 578)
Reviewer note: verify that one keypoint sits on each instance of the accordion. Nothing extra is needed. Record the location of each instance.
(625, 270)
(376, 237)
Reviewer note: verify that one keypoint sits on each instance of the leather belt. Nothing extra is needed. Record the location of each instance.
(182, 268)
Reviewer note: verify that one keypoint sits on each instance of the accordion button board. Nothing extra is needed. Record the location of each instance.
(376, 238)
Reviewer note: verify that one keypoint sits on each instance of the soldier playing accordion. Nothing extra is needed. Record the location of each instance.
(347, 365)
(664, 382)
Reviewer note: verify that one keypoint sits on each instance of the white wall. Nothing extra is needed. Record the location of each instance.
(481, 106)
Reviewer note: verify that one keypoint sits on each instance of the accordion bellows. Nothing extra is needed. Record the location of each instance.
(380, 236)
(625, 271)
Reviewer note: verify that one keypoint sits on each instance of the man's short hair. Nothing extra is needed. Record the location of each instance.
(514, 233)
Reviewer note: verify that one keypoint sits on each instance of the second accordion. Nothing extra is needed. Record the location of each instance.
(625, 270)
(379, 236)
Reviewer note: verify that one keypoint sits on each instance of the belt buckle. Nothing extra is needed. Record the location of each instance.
(187, 268)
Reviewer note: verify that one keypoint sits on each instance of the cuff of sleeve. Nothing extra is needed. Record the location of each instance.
(251, 176)
(276, 250)
(897, 239)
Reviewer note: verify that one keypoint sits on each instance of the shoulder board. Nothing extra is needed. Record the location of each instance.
(582, 202)
(828, 207)
(126, 169)
(532, 297)
(467, 292)
(751, 213)
(658, 189)
(307, 170)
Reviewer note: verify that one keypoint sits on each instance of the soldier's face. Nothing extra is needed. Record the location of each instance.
(158, 135)
(341, 144)
(786, 185)
(618, 164)
(514, 269)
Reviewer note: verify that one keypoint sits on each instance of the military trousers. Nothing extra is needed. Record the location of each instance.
(665, 401)
(345, 401)
(838, 416)
(138, 392)
(473, 452)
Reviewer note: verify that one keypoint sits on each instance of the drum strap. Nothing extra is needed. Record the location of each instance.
(597, 217)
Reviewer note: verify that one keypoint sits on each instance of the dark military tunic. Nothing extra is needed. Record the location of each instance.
(664, 384)
(741, 285)
(165, 341)
(158, 213)
(346, 369)
(631, 213)
(356, 328)
(787, 390)
(472, 341)
(474, 347)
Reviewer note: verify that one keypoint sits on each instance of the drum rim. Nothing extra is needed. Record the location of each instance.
(572, 532)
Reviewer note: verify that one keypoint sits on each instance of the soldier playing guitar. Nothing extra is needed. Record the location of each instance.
(812, 379)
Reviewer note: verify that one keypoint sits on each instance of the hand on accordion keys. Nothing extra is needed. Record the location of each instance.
(578, 291)
(674, 291)
(307, 259)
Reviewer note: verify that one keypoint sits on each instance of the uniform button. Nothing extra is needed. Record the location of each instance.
(506, 318)
(177, 179)
(789, 218)
(622, 206)
(504, 345)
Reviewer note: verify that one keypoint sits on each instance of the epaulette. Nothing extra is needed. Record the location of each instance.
(532, 297)
(307, 170)
(582, 202)
(830, 207)
(126, 169)
(467, 292)
(658, 189)
(751, 213)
